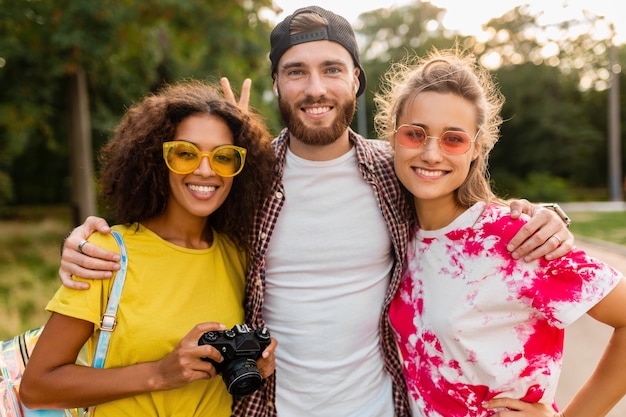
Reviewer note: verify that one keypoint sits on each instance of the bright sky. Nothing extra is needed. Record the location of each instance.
(467, 17)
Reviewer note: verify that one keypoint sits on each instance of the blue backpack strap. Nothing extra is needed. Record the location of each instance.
(109, 320)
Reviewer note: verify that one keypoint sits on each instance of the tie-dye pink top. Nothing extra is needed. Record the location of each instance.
(473, 324)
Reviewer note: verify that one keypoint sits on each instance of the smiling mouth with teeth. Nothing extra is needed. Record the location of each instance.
(317, 110)
(432, 174)
(205, 189)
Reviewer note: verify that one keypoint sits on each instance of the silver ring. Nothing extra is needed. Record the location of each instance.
(80, 246)
(557, 239)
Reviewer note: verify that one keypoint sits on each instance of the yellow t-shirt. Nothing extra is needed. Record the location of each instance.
(168, 290)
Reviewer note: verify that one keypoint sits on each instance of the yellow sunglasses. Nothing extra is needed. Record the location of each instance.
(184, 157)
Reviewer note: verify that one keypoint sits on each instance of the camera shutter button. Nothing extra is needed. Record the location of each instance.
(211, 336)
(262, 333)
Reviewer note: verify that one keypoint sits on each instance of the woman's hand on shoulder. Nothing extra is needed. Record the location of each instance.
(545, 234)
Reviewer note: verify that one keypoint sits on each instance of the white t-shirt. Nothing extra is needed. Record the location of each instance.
(328, 268)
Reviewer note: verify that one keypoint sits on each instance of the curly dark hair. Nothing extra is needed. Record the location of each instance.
(134, 178)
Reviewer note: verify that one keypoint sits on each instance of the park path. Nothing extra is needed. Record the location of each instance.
(585, 340)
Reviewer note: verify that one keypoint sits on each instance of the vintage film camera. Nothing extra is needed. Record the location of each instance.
(240, 347)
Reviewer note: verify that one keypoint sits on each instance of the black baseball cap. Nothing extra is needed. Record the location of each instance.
(338, 30)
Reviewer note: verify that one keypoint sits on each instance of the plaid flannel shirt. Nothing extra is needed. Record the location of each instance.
(376, 166)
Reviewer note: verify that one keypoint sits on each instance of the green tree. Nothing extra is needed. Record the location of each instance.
(126, 49)
(546, 127)
(550, 79)
(555, 86)
(520, 36)
(388, 35)
(595, 103)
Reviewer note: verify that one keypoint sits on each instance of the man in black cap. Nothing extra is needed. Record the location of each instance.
(329, 241)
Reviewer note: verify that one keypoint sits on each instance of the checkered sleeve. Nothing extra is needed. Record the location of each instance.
(261, 403)
(376, 165)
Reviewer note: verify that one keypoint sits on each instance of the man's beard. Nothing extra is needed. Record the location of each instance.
(313, 135)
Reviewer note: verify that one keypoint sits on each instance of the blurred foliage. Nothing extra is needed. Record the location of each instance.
(521, 35)
(555, 85)
(554, 139)
(390, 34)
(127, 48)
(546, 126)
(536, 186)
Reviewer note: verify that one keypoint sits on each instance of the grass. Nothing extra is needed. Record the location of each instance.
(29, 263)
(29, 259)
(608, 226)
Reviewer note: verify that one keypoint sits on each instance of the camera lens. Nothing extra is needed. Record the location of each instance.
(242, 377)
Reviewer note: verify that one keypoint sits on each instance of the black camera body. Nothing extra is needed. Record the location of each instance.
(240, 347)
